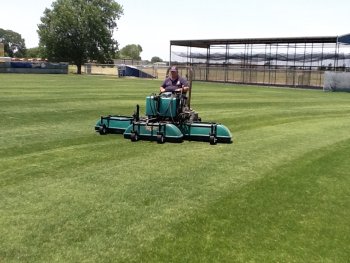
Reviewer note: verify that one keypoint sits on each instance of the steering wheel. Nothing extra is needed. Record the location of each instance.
(171, 88)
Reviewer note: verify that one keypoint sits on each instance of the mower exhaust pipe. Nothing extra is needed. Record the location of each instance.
(190, 72)
(137, 113)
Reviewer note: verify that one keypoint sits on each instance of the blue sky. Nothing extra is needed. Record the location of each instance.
(153, 23)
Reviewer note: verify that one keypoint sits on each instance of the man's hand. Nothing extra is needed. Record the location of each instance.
(162, 90)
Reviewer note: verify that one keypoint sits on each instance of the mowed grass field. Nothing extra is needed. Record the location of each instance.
(279, 193)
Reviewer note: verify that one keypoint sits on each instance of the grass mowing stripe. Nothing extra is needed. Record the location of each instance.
(71, 195)
(298, 212)
(144, 195)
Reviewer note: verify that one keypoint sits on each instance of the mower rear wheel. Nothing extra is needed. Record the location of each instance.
(134, 137)
(213, 140)
(160, 138)
(102, 130)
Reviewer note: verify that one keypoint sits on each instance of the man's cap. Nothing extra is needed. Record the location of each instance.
(173, 68)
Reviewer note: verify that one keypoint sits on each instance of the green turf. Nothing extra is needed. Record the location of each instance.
(279, 193)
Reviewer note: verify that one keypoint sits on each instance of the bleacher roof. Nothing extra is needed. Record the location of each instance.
(206, 43)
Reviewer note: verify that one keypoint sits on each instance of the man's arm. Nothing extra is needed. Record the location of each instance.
(184, 86)
(184, 89)
(162, 87)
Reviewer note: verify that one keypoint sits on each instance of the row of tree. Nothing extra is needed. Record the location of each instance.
(14, 44)
(75, 31)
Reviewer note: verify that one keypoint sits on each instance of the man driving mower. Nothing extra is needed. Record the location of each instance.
(174, 82)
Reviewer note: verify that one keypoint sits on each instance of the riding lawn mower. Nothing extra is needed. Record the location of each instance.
(169, 118)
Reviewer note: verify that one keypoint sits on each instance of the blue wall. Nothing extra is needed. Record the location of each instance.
(34, 67)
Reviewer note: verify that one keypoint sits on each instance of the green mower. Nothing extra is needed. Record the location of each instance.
(169, 118)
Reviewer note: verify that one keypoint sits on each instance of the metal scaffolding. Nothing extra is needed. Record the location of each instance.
(298, 61)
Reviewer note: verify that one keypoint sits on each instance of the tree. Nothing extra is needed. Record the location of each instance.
(14, 44)
(78, 31)
(34, 52)
(131, 51)
(156, 59)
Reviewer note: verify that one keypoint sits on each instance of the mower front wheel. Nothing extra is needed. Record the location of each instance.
(213, 140)
(102, 130)
(160, 138)
(134, 137)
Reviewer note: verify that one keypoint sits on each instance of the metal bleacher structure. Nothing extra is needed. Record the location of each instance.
(294, 62)
(127, 68)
